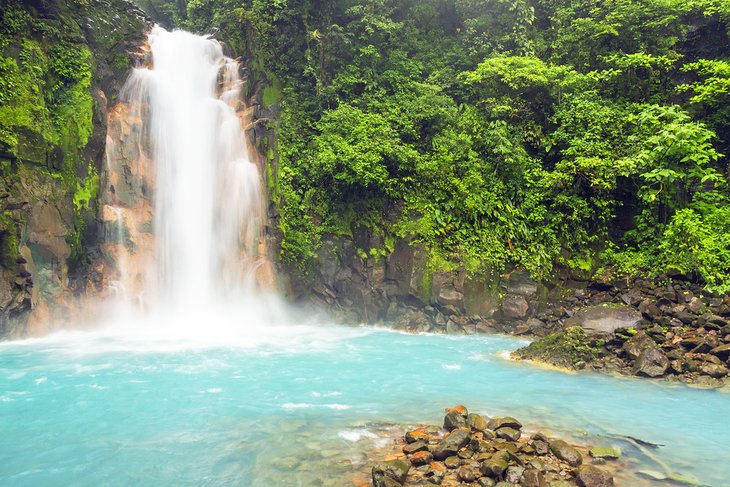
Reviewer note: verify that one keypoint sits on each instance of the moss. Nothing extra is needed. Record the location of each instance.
(272, 94)
(9, 241)
(563, 349)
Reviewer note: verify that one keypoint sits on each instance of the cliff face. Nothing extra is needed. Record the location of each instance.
(61, 64)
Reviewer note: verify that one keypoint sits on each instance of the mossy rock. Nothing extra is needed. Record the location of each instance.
(562, 349)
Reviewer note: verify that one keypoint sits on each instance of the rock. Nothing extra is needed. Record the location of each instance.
(451, 444)
(513, 474)
(396, 470)
(450, 297)
(604, 318)
(519, 283)
(723, 351)
(477, 422)
(696, 306)
(649, 310)
(515, 306)
(565, 452)
(417, 434)
(533, 478)
(423, 457)
(435, 475)
(651, 363)
(494, 467)
(508, 433)
(452, 462)
(714, 370)
(590, 476)
(605, 452)
(467, 474)
(486, 482)
(541, 447)
(410, 448)
(454, 420)
(502, 422)
(634, 346)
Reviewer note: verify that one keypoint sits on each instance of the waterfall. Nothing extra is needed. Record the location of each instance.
(180, 167)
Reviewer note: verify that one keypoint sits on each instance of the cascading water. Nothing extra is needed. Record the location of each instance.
(204, 191)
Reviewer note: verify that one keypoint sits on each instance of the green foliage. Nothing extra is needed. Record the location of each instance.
(498, 134)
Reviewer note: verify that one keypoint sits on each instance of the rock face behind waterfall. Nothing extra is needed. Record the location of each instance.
(48, 228)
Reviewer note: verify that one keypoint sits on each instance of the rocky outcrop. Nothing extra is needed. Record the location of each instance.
(48, 227)
(485, 456)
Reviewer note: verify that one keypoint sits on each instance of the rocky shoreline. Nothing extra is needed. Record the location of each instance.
(668, 329)
(474, 450)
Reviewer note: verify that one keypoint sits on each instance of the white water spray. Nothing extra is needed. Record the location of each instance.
(207, 203)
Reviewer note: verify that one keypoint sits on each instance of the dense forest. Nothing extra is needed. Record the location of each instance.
(590, 135)
(586, 134)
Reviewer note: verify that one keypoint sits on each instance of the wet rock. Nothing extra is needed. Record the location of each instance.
(565, 452)
(591, 476)
(502, 422)
(533, 478)
(507, 433)
(715, 371)
(414, 447)
(468, 474)
(454, 420)
(604, 318)
(649, 310)
(515, 306)
(486, 482)
(513, 474)
(651, 363)
(418, 434)
(452, 462)
(450, 297)
(451, 444)
(605, 452)
(423, 457)
(477, 422)
(723, 351)
(541, 447)
(494, 467)
(393, 470)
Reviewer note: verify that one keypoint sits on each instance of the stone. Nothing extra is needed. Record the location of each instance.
(634, 346)
(454, 420)
(541, 447)
(450, 297)
(417, 434)
(435, 475)
(533, 478)
(649, 310)
(565, 452)
(416, 446)
(501, 422)
(494, 467)
(396, 470)
(715, 371)
(515, 306)
(519, 283)
(467, 474)
(513, 474)
(651, 363)
(606, 452)
(723, 351)
(696, 305)
(508, 433)
(452, 462)
(604, 318)
(486, 482)
(477, 422)
(423, 457)
(591, 476)
(451, 444)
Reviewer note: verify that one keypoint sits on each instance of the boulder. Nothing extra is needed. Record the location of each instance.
(649, 310)
(715, 371)
(533, 478)
(591, 476)
(605, 452)
(486, 482)
(454, 420)
(450, 297)
(519, 283)
(513, 474)
(502, 422)
(652, 362)
(604, 318)
(451, 444)
(410, 448)
(468, 474)
(515, 306)
(477, 422)
(508, 433)
(421, 458)
(494, 467)
(565, 452)
(393, 470)
(634, 346)
(723, 351)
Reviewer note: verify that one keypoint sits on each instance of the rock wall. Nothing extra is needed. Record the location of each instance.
(71, 59)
